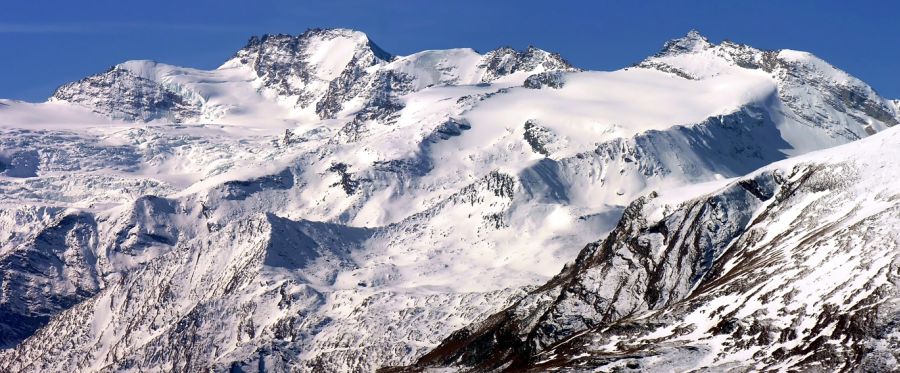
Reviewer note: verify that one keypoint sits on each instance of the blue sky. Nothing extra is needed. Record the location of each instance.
(47, 43)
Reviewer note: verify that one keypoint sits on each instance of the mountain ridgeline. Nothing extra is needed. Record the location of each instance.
(317, 203)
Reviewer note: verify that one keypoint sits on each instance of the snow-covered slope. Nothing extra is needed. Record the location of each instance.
(320, 74)
(320, 204)
(813, 90)
(794, 267)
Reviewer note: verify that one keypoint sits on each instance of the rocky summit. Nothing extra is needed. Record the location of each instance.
(319, 204)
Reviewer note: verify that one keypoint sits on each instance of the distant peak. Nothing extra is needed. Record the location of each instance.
(692, 42)
(504, 61)
(311, 34)
(531, 49)
(335, 33)
(694, 34)
(530, 52)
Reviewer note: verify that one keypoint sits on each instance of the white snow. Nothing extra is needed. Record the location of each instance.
(440, 236)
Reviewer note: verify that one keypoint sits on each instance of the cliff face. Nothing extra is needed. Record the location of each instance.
(120, 94)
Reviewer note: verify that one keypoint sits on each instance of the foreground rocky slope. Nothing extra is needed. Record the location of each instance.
(318, 204)
(793, 267)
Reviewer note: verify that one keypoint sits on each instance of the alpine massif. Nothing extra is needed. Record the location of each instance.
(319, 204)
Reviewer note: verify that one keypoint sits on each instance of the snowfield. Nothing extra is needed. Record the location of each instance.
(318, 204)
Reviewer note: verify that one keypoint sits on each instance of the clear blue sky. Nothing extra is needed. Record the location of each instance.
(50, 42)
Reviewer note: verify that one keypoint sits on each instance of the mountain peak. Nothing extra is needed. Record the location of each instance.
(304, 195)
(313, 35)
(506, 60)
(692, 42)
(309, 64)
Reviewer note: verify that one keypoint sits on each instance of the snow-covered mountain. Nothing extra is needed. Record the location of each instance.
(317, 203)
(794, 267)
(320, 74)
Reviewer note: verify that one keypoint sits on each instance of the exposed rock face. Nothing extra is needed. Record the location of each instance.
(295, 65)
(382, 103)
(692, 42)
(324, 69)
(506, 61)
(121, 94)
(54, 271)
(793, 267)
(552, 79)
(541, 139)
(438, 190)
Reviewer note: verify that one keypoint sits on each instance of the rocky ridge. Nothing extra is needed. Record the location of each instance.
(791, 267)
(423, 194)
